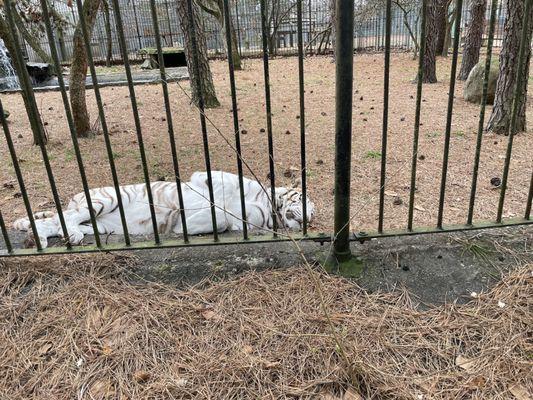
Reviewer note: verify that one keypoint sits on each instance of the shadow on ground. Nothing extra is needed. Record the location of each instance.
(435, 268)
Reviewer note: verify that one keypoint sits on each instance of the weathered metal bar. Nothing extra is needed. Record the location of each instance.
(522, 59)
(237, 19)
(68, 113)
(20, 179)
(527, 214)
(481, 125)
(343, 127)
(172, 139)
(138, 129)
(303, 164)
(3, 228)
(237, 240)
(103, 121)
(385, 128)
(201, 107)
(34, 113)
(416, 133)
(451, 95)
(266, 73)
(236, 128)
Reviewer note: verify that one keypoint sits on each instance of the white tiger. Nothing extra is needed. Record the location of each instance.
(167, 208)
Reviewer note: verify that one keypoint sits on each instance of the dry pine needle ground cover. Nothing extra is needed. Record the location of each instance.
(320, 78)
(78, 328)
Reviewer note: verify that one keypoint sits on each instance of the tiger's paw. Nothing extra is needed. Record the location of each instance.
(30, 241)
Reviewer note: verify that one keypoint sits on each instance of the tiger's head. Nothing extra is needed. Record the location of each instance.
(290, 208)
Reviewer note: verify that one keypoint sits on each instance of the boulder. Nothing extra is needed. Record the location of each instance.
(473, 89)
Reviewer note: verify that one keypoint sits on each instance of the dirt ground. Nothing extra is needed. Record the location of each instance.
(320, 79)
(80, 327)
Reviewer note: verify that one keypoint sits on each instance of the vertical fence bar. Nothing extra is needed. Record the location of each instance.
(481, 125)
(524, 42)
(269, 117)
(3, 228)
(237, 19)
(170, 124)
(20, 179)
(310, 38)
(416, 132)
(169, 25)
(343, 126)
(386, 80)
(124, 49)
(34, 113)
(527, 214)
(201, 106)
(235, 118)
(68, 113)
(136, 23)
(451, 93)
(105, 131)
(303, 165)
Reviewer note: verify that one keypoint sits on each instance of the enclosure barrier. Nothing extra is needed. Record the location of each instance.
(343, 130)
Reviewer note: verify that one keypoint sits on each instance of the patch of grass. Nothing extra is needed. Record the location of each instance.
(375, 155)
(458, 134)
(69, 154)
(310, 173)
(433, 134)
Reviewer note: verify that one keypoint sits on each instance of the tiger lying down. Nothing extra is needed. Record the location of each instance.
(196, 203)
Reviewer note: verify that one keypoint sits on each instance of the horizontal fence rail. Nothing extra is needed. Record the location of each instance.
(343, 231)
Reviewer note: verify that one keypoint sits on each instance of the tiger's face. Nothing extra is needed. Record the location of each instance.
(290, 208)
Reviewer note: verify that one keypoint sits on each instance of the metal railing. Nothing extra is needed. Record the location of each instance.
(370, 27)
(343, 136)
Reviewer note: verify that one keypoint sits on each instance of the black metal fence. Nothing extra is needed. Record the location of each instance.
(139, 33)
(342, 234)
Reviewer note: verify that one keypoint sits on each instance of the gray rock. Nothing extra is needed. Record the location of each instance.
(473, 89)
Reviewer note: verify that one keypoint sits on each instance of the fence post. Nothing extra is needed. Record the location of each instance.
(342, 258)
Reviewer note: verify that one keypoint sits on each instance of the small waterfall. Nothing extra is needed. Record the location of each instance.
(8, 77)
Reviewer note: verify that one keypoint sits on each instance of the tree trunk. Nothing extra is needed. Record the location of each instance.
(215, 8)
(32, 40)
(500, 118)
(441, 22)
(37, 127)
(448, 35)
(205, 78)
(109, 38)
(429, 63)
(474, 35)
(333, 22)
(78, 70)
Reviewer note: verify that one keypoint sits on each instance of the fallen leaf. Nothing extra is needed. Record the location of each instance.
(351, 394)
(102, 390)
(390, 193)
(520, 392)
(45, 348)
(107, 350)
(270, 364)
(141, 376)
(208, 314)
(465, 363)
(478, 382)
(419, 208)
(247, 349)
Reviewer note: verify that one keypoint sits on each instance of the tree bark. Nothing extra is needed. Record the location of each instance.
(441, 23)
(39, 133)
(474, 35)
(333, 22)
(205, 78)
(500, 118)
(78, 70)
(32, 40)
(429, 62)
(216, 9)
